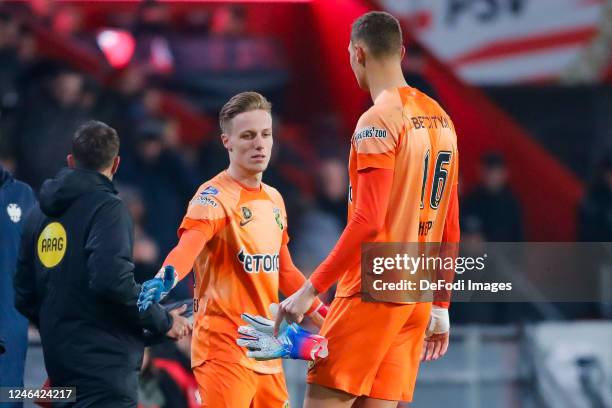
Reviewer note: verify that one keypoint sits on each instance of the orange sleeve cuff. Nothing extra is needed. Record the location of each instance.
(375, 160)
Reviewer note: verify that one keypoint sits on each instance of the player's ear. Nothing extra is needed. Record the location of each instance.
(115, 165)
(360, 54)
(226, 142)
(402, 53)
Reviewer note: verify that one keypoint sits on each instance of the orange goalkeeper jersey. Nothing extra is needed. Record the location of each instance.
(409, 133)
(238, 269)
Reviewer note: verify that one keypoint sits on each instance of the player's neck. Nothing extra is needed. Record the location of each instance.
(381, 77)
(246, 179)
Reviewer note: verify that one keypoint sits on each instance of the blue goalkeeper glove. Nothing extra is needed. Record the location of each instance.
(156, 289)
(292, 342)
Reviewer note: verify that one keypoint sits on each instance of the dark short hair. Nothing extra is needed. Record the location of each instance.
(240, 103)
(380, 31)
(95, 145)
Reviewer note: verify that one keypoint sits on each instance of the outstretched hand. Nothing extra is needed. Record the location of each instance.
(295, 306)
(156, 289)
(293, 342)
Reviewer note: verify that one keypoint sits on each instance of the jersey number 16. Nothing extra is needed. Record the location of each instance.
(439, 178)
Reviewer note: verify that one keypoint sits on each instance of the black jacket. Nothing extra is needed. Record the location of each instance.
(499, 214)
(75, 281)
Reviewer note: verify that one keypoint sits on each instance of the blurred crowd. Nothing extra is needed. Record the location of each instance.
(43, 101)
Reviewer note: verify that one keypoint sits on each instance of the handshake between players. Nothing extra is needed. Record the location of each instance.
(283, 337)
(260, 336)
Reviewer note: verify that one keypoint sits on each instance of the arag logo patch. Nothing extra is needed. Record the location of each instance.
(51, 246)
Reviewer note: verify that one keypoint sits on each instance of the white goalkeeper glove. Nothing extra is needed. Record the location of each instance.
(439, 322)
(292, 342)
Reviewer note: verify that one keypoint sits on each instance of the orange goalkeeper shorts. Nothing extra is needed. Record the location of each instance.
(374, 348)
(231, 385)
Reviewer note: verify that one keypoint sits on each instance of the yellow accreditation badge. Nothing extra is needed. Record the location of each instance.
(52, 244)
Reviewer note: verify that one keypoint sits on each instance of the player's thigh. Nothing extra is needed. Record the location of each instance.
(397, 372)
(359, 335)
(271, 392)
(365, 402)
(318, 396)
(225, 385)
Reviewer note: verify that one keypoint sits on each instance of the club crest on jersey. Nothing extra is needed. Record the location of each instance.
(247, 216)
(369, 133)
(277, 217)
(14, 212)
(255, 263)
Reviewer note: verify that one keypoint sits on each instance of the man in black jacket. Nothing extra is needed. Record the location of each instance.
(75, 278)
(492, 204)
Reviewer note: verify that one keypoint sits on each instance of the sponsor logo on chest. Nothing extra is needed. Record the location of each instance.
(256, 263)
(205, 198)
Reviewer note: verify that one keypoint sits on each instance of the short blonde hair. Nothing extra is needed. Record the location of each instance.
(240, 103)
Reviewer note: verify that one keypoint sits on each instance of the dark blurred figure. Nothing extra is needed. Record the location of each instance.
(48, 121)
(9, 63)
(123, 107)
(160, 386)
(196, 22)
(16, 201)
(10, 69)
(212, 157)
(146, 252)
(166, 182)
(319, 226)
(174, 359)
(332, 188)
(595, 213)
(153, 18)
(493, 203)
(414, 69)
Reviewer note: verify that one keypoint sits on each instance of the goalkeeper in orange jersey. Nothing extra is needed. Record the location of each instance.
(403, 170)
(234, 236)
